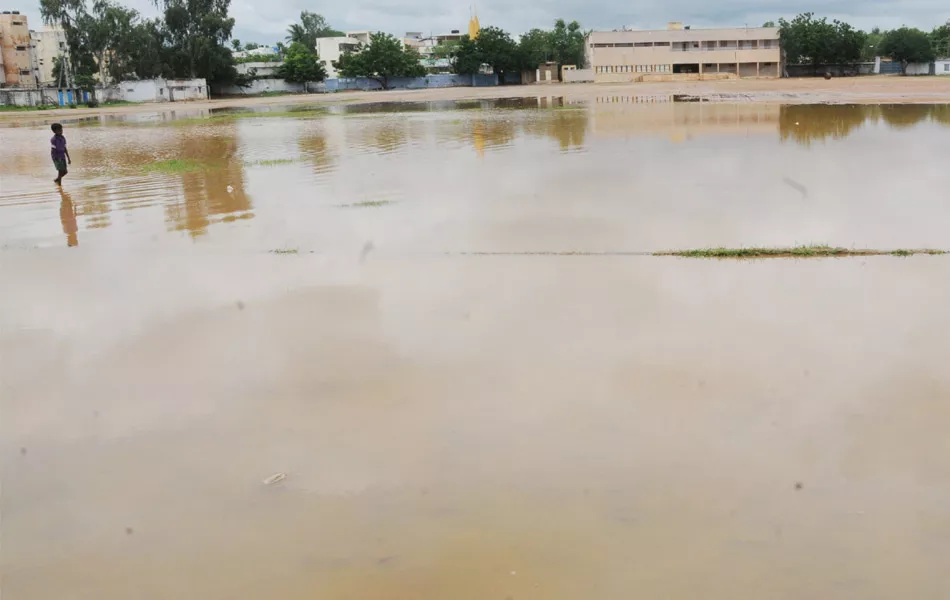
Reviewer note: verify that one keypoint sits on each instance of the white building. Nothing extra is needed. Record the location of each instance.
(262, 51)
(48, 44)
(942, 66)
(329, 49)
(156, 90)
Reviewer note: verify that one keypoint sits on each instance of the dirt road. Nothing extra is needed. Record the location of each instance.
(853, 90)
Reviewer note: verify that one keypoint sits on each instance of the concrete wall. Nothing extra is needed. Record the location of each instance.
(918, 69)
(156, 90)
(263, 86)
(578, 75)
(261, 69)
(429, 81)
(41, 97)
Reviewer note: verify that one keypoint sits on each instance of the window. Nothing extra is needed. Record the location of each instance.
(643, 44)
(766, 44)
(946, 67)
(658, 44)
(627, 45)
(24, 71)
(21, 48)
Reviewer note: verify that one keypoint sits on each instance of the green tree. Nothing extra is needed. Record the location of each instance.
(497, 50)
(940, 39)
(807, 40)
(567, 43)
(385, 57)
(197, 31)
(301, 65)
(872, 44)
(466, 58)
(445, 49)
(907, 45)
(534, 48)
(768, 24)
(236, 45)
(311, 27)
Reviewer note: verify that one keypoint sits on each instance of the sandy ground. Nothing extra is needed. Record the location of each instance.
(863, 90)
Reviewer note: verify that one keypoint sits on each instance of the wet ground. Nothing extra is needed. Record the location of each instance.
(349, 296)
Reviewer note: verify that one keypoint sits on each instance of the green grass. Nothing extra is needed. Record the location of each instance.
(368, 204)
(812, 251)
(227, 117)
(284, 251)
(118, 103)
(274, 162)
(175, 165)
(28, 108)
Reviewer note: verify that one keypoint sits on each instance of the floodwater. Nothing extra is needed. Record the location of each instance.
(351, 297)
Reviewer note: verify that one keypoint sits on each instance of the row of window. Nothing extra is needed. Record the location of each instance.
(633, 69)
(698, 45)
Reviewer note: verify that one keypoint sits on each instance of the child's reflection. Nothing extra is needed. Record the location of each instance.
(67, 216)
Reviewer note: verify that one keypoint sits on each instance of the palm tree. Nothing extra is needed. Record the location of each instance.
(296, 33)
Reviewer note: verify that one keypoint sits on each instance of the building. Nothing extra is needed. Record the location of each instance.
(49, 44)
(942, 66)
(362, 37)
(15, 51)
(330, 49)
(621, 56)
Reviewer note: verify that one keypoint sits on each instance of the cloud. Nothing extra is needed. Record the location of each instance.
(267, 22)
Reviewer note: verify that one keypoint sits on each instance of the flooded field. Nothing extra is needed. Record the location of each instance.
(347, 352)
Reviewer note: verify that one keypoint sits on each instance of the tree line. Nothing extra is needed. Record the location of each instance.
(808, 40)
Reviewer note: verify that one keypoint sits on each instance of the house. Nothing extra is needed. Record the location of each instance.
(621, 56)
(330, 49)
(942, 66)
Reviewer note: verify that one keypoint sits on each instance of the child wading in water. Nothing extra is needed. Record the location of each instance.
(59, 153)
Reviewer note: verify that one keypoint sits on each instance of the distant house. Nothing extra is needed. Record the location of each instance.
(942, 66)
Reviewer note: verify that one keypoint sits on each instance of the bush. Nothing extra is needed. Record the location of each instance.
(92, 103)
(72, 106)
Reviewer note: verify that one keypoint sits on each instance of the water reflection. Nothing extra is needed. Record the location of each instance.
(67, 217)
(807, 123)
(214, 193)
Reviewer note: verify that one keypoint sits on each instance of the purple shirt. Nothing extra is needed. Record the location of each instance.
(58, 149)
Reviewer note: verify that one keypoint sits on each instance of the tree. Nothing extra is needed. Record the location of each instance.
(311, 27)
(940, 40)
(567, 43)
(384, 58)
(807, 40)
(236, 44)
(907, 45)
(197, 31)
(768, 24)
(301, 65)
(872, 44)
(497, 50)
(445, 49)
(534, 48)
(466, 57)
(251, 46)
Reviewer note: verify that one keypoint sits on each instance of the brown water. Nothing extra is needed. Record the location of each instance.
(471, 426)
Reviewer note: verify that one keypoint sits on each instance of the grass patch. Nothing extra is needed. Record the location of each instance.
(814, 251)
(285, 251)
(368, 204)
(227, 117)
(175, 165)
(274, 162)
(27, 108)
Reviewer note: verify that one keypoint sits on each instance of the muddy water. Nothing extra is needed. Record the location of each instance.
(472, 426)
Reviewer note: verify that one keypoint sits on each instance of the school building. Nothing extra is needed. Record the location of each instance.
(622, 56)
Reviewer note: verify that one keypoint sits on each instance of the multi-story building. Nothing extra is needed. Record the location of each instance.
(620, 56)
(49, 45)
(15, 49)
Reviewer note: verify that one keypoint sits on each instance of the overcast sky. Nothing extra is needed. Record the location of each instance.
(266, 22)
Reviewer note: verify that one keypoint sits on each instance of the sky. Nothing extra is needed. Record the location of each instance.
(266, 22)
